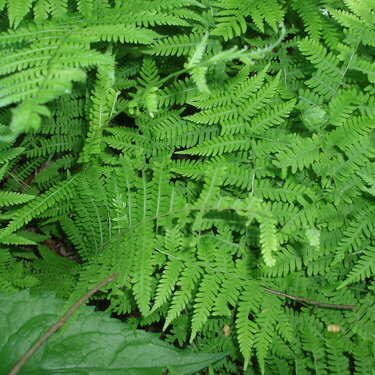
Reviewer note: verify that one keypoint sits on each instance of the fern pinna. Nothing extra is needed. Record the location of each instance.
(218, 155)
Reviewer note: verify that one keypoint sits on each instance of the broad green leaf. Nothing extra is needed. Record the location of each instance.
(92, 343)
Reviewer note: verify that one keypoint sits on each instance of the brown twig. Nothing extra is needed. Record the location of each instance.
(309, 301)
(59, 324)
(18, 180)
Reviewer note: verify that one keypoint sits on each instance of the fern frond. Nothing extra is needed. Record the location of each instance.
(17, 10)
(369, 180)
(289, 192)
(338, 363)
(167, 282)
(58, 8)
(179, 92)
(219, 146)
(178, 45)
(269, 117)
(229, 294)
(232, 16)
(56, 144)
(313, 344)
(300, 155)
(52, 173)
(362, 319)
(103, 105)
(56, 273)
(354, 237)
(204, 302)
(45, 201)
(311, 16)
(75, 237)
(8, 198)
(85, 7)
(268, 239)
(365, 267)
(142, 270)
(265, 321)
(287, 260)
(363, 358)
(246, 328)
(187, 283)
(214, 115)
(358, 21)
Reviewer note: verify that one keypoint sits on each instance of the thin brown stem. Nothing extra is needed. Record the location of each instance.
(309, 301)
(18, 180)
(59, 324)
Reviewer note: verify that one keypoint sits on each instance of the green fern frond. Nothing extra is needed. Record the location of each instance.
(39, 205)
(179, 92)
(268, 239)
(8, 198)
(204, 302)
(57, 268)
(58, 8)
(221, 169)
(311, 16)
(246, 328)
(355, 234)
(228, 296)
(359, 21)
(167, 282)
(365, 267)
(186, 284)
(219, 146)
(338, 363)
(85, 7)
(143, 269)
(265, 321)
(17, 10)
(363, 358)
(232, 16)
(103, 105)
(178, 45)
(300, 155)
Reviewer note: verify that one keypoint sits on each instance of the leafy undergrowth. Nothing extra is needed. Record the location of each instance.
(217, 155)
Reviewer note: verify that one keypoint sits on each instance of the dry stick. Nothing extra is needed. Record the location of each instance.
(320, 304)
(59, 324)
(18, 180)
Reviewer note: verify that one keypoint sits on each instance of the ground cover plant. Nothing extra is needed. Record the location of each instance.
(216, 156)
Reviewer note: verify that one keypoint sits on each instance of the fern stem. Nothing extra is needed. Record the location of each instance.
(59, 324)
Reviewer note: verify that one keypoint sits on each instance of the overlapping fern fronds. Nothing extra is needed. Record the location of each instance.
(207, 156)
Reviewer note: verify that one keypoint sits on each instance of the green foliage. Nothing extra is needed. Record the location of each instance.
(204, 152)
(114, 348)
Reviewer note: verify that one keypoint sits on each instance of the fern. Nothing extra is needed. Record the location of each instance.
(38, 206)
(204, 302)
(220, 164)
(364, 268)
(245, 327)
(232, 16)
(265, 321)
(8, 198)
